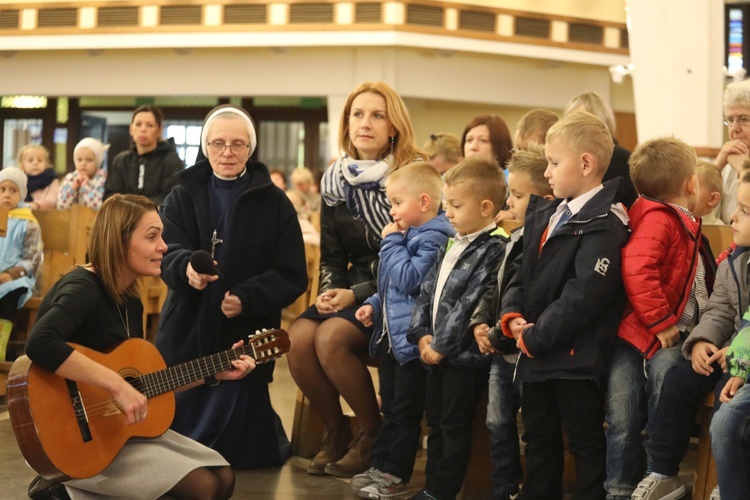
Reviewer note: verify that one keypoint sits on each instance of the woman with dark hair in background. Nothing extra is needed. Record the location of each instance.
(489, 135)
(148, 168)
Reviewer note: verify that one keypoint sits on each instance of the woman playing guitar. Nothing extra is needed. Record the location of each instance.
(97, 306)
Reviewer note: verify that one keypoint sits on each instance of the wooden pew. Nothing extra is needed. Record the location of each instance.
(719, 237)
(67, 231)
(65, 234)
(153, 294)
(312, 257)
(3, 221)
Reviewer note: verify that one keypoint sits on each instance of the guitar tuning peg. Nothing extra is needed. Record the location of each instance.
(264, 330)
(257, 332)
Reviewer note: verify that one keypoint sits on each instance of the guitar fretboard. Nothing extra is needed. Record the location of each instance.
(174, 377)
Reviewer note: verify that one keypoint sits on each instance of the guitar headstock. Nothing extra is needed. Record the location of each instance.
(269, 344)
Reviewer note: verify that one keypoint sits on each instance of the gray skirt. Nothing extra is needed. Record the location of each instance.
(146, 468)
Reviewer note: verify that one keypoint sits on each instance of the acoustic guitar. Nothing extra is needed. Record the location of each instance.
(69, 430)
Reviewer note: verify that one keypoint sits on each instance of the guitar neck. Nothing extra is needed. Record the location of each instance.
(166, 380)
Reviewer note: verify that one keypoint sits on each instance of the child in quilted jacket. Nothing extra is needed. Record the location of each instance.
(668, 275)
(408, 251)
(686, 384)
(457, 372)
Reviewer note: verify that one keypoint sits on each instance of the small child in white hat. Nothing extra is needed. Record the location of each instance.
(85, 185)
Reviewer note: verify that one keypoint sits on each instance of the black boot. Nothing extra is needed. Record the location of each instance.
(44, 489)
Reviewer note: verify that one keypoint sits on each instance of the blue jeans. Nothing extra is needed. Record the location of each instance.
(730, 443)
(633, 393)
(502, 409)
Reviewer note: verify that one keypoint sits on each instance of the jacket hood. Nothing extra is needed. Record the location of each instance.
(438, 223)
(608, 196)
(644, 205)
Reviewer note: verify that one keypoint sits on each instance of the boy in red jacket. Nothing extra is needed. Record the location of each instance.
(668, 275)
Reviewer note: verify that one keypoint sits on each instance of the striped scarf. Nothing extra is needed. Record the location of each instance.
(359, 184)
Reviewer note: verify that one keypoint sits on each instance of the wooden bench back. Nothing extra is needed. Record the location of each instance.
(67, 231)
(65, 234)
(3, 221)
(509, 225)
(719, 237)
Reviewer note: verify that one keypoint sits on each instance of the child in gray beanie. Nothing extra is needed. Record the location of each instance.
(20, 251)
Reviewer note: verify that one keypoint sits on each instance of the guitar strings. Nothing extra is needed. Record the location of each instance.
(103, 406)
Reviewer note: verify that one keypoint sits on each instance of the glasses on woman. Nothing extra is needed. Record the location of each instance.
(742, 120)
(219, 147)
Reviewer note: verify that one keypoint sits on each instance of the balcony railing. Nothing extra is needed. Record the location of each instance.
(206, 16)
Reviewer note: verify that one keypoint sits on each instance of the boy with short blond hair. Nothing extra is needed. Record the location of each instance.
(686, 385)
(407, 252)
(668, 273)
(533, 127)
(525, 178)
(563, 306)
(709, 196)
(474, 191)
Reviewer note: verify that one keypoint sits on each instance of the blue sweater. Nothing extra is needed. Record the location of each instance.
(405, 260)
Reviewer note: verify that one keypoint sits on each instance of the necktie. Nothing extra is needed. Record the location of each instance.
(567, 214)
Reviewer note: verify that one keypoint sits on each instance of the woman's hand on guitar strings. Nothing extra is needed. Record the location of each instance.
(240, 367)
(131, 403)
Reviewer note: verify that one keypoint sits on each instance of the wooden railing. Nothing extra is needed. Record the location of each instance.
(206, 16)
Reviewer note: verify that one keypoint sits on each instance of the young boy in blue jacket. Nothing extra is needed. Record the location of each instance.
(474, 191)
(563, 307)
(408, 251)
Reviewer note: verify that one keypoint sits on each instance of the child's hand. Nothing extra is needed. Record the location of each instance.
(730, 389)
(81, 179)
(720, 356)
(5, 277)
(364, 314)
(424, 342)
(504, 215)
(481, 336)
(517, 326)
(431, 356)
(702, 356)
(669, 336)
(389, 228)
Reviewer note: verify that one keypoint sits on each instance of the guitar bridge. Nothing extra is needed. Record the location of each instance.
(79, 410)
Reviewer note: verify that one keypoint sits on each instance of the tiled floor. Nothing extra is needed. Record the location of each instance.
(290, 482)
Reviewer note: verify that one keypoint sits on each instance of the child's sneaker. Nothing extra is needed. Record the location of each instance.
(715, 494)
(653, 488)
(365, 479)
(385, 486)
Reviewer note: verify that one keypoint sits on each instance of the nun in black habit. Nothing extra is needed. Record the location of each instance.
(227, 205)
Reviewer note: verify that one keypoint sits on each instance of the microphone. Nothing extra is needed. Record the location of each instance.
(203, 263)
